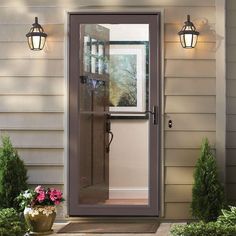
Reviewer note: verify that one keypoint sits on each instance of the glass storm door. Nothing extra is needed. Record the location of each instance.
(114, 119)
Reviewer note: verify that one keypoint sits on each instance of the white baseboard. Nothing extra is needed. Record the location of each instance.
(128, 193)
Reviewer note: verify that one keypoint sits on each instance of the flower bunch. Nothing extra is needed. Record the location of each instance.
(40, 196)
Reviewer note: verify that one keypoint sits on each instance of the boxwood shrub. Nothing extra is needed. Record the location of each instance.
(11, 223)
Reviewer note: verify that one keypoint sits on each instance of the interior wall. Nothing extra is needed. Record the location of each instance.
(128, 172)
(128, 157)
(33, 91)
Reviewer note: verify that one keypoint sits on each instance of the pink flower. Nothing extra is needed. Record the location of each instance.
(57, 202)
(55, 195)
(41, 196)
(39, 189)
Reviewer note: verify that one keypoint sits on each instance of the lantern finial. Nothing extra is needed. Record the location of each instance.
(188, 18)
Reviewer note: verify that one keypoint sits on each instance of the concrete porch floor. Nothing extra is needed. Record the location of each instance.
(163, 230)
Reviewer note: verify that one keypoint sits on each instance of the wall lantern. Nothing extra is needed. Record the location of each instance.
(36, 36)
(188, 34)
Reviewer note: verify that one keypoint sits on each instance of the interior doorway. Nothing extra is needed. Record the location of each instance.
(114, 121)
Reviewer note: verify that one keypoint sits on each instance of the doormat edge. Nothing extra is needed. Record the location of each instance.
(66, 229)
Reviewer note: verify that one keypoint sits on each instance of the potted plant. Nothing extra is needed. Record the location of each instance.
(40, 208)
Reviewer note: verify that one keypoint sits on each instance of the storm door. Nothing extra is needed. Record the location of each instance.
(114, 103)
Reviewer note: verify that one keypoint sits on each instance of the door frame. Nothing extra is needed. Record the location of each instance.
(114, 10)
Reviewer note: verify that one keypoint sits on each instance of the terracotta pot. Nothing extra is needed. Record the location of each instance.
(40, 219)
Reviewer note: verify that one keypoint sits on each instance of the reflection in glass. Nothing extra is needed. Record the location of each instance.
(115, 173)
(87, 53)
(94, 56)
(101, 58)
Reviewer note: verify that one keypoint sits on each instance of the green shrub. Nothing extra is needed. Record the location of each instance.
(224, 226)
(207, 195)
(228, 217)
(201, 228)
(10, 223)
(13, 174)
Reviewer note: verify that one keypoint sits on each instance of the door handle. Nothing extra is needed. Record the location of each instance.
(108, 130)
(110, 141)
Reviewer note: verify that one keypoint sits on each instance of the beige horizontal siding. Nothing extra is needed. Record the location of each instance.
(178, 15)
(181, 157)
(174, 50)
(58, 186)
(177, 211)
(181, 139)
(190, 104)
(26, 67)
(20, 50)
(31, 121)
(31, 85)
(36, 139)
(207, 34)
(74, 3)
(179, 175)
(178, 193)
(190, 68)
(16, 33)
(190, 122)
(10, 15)
(190, 86)
(49, 156)
(45, 175)
(31, 103)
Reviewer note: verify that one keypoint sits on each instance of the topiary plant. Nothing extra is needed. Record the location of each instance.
(207, 195)
(13, 174)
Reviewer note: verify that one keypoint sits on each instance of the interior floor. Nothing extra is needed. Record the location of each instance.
(126, 202)
(117, 202)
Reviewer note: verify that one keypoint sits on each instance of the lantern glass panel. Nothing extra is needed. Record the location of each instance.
(43, 39)
(36, 42)
(194, 40)
(30, 42)
(188, 40)
(182, 40)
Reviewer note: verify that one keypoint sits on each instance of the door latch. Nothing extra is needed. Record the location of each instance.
(154, 112)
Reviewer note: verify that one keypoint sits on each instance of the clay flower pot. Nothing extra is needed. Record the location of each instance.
(40, 219)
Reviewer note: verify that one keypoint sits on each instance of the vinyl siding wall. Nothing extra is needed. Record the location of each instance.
(231, 100)
(33, 90)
